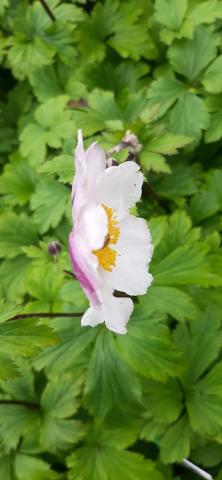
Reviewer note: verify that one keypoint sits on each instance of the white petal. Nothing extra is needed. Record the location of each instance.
(115, 312)
(128, 276)
(134, 250)
(92, 317)
(95, 227)
(96, 164)
(135, 239)
(120, 186)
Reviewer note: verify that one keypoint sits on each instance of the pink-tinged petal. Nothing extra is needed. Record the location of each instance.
(85, 268)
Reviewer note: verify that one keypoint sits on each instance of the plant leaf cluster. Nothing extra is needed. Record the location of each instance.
(86, 404)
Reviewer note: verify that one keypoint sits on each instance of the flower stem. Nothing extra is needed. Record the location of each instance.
(45, 315)
(20, 402)
(48, 10)
(191, 466)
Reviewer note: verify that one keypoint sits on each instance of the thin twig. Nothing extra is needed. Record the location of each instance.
(48, 10)
(20, 402)
(44, 315)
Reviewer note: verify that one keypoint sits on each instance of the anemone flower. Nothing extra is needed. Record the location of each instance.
(110, 249)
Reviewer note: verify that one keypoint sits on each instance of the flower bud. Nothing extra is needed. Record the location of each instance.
(54, 248)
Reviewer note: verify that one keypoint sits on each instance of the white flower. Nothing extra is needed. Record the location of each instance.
(109, 248)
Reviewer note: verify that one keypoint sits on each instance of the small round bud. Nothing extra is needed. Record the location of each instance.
(54, 248)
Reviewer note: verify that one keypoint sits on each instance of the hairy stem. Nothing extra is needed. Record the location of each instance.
(48, 10)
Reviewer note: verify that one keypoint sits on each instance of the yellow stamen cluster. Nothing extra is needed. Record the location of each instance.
(107, 255)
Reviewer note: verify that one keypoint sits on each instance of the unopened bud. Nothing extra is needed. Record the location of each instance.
(132, 140)
(54, 248)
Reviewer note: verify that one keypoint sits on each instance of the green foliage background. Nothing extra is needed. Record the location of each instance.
(79, 403)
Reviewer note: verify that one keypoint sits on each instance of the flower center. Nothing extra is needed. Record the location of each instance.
(107, 255)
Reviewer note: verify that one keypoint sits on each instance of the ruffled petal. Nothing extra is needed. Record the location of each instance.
(115, 312)
(85, 266)
(120, 186)
(134, 251)
(79, 182)
(95, 164)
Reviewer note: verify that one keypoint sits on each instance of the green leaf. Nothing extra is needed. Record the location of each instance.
(164, 92)
(8, 368)
(190, 57)
(62, 402)
(189, 116)
(62, 165)
(28, 467)
(182, 181)
(200, 343)
(17, 182)
(74, 341)
(170, 13)
(103, 389)
(16, 231)
(163, 400)
(212, 79)
(184, 266)
(172, 301)
(110, 460)
(14, 275)
(53, 124)
(148, 347)
(25, 337)
(205, 12)
(16, 421)
(168, 144)
(49, 202)
(175, 445)
(214, 132)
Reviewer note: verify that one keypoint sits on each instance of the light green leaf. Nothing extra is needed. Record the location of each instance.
(189, 116)
(168, 144)
(184, 266)
(28, 467)
(17, 182)
(214, 132)
(49, 202)
(25, 337)
(172, 301)
(212, 79)
(62, 165)
(164, 92)
(16, 231)
(170, 12)
(175, 445)
(190, 57)
(205, 12)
